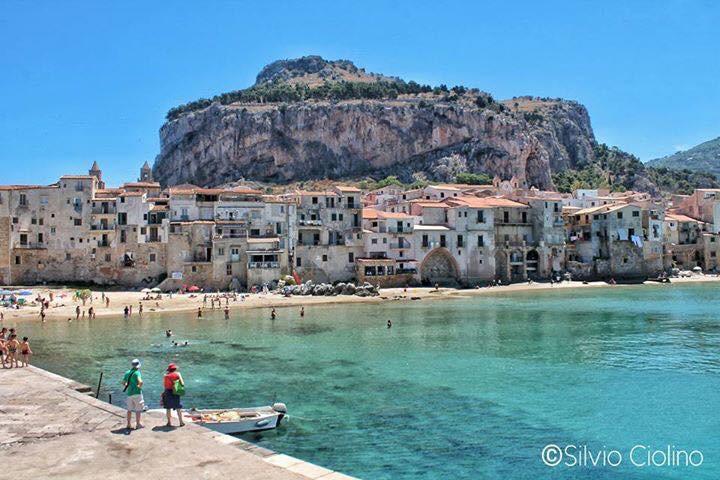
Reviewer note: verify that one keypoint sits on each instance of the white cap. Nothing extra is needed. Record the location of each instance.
(136, 362)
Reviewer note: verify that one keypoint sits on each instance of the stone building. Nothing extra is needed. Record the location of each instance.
(329, 234)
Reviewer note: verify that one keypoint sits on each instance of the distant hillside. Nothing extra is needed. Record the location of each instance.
(701, 158)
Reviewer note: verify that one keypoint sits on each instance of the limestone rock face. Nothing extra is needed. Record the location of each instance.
(357, 138)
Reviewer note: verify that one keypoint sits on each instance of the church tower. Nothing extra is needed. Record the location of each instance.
(97, 173)
(146, 173)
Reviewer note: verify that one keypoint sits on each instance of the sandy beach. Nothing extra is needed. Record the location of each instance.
(64, 305)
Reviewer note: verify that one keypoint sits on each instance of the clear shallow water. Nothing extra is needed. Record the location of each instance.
(471, 388)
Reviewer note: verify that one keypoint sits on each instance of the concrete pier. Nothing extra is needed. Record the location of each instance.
(51, 428)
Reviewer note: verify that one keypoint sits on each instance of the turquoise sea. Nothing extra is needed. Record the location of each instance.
(471, 388)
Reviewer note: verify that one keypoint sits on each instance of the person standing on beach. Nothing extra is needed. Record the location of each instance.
(125, 311)
(107, 302)
(170, 399)
(25, 351)
(140, 309)
(77, 312)
(132, 382)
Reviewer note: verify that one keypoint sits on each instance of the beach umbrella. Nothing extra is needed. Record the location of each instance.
(156, 290)
(5, 292)
(193, 288)
(697, 269)
(25, 292)
(145, 290)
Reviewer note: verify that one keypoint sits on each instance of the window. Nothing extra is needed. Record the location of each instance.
(142, 230)
(713, 254)
(351, 257)
(67, 256)
(107, 257)
(194, 269)
(77, 222)
(424, 240)
(17, 260)
(314, 200)
(333, 217)
(636, 213)
(324, 258)
(481, 241)
(524, 217)
(373, 241)
(122, 218)
(221, 251)
(351, 202)
(506, 217)
(442, 240)
(298, 262)
(33, 221)
(41, 221)
(23, 199)
(40, 238)
(153, 257)
(340, 217)
(228, 269)
(15, 220)
(619, 215)
(52, 230)
(460, 241)
(631, 232)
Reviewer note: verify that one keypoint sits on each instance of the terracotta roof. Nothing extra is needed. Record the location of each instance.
(382, 214)
(345, 188)
(132, 194)
(263, 240)
(25, 187)
(485, 202)
(678, 217)
(370, 214)
(430, 204)
(142, 184)
(305, 193)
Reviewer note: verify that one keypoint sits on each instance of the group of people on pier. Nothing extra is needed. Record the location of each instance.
(15, 353)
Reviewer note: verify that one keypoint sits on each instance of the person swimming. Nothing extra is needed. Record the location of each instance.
(302, 311)
(168, 333)
(389, 323)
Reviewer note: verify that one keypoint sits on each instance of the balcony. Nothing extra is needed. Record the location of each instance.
(398, 245)
(31, 245)
(104, 210)
(103, 243)
(198, 259)
(102, 227)
(152, 238)
(310, 223)
(263, 265)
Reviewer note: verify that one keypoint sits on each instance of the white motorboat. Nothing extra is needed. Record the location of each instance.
(238, 420)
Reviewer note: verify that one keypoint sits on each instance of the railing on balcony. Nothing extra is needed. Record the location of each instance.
(310, 223)
(103, 227)
(398, 245)
(263, 265)
(102, 243)
(104, 210)
(31, 245)
(152, 238)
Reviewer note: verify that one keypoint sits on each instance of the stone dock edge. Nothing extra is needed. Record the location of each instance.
(297, 466)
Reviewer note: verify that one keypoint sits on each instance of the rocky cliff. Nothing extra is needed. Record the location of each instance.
(309, 118)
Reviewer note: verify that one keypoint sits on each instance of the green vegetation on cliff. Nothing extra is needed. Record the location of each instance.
(280, 92)
(701, 158)
(620, 171)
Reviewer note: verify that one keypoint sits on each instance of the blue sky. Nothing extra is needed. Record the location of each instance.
(84, 81)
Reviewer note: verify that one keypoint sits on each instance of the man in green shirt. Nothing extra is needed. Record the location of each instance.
(132, 381)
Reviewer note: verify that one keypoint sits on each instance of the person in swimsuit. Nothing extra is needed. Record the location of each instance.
(77, 312)
(273, 314)
(302, 311)
(12, 346)
(3, 350)
(199, 312)
(170, 400)
(25, 351)
(227, 313)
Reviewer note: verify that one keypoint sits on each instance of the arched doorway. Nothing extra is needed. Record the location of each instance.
(439, 267)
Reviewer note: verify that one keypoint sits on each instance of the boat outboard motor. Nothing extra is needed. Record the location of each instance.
(281, 409)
